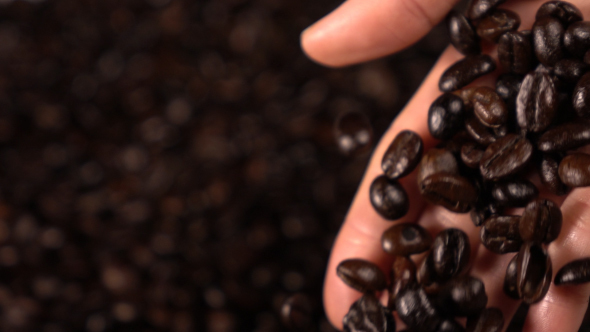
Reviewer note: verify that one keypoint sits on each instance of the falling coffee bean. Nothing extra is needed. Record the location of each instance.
(514, 193)
(403, 155)
(497, 23)
(403, 275)
(361, 275)
(446, 116)
(489, 107)
(479, 8)
(450, 252)
(354, 134)
(515, 52)
(406, 239)
(462, 34)
(436, 161)
(506, 156)
(548, 35)
(574, 273)
(462, 296)
(567, 136)
(500, 234)
(367, 314)
(549, 175)
(574, 170)
(536, 102)
(452, 191)
(389, 198)
(296, 312)
(541, 221)
(466, 71)
(416, 310)
(510, 286)
(533, 272)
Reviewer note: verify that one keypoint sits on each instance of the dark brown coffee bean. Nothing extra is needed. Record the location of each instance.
(489, 107)
(296, 312)
(466, 94)
(446, 116)
(569, 71)
(353, 133)
(466, 71)
(533, 272)
(508, 86)
(565, 137)
(426, 275)
(361, 275)
(549, 174)
(479, 8)
(561, 10)
(574, 273)
(500, 234)
(471, 154)
(489, 320)
(536, 102)
(581, 96)
(510, 286)
(436, 161)
(481, 213)
(367, 314)
(480, 133)
(403, 155)
(416, 310)
(406, 239)
(541, 221)
(462, 296)
(450, 253)
(403, 274)
(576, 40)
(548, 35)
(514, 193)
(497, 23)
(506, 156)
(515, 52)
(450, 325)
(462, 34)
(451, 191)
(389, 198)
(455, 144)
(574, 170)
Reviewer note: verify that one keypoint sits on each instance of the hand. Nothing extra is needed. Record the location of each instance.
(361, 30)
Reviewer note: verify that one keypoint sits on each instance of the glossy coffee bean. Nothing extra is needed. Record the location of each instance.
(353, 133)
(497, 23)
(541, 221)
(489, 107)
(426, 275)
(436, 161)
(515, 52)
(479, 8)
(565, 137)
(548, 35)
(581, 97)
(481, 213)
(480, 133)
(416, 310)
(446, 116)
(406, 239)
(569, 71)
(576, 39)
(403, 155)
(361, 275)
(296, 313)
(451, 191)
(561, 10)
(471, 154)
(462, 296)
(574, 273)
(450, 325)
(536, 102)
(367, 314)
(574, 170)
(500, 234)
(510, 287)
(506, 156)
(450, 253)
(389, 198)
(489, 320)
(549, 174)
(533, 272)
(508, 86)
(402, 276)
(462, 34)
(466, 71)
(514, 193)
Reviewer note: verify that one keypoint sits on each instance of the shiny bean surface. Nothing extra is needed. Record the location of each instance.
(515, 52)
(403, 275)
(567, 136)
(510, 287)
(466, 71)
(514, 193)
(462, 34)
(574, 273)
(479, 8)
(548, 35)
(536, 102)
(497, 23)
(581, 96)
(576, 38)
(549, 175)
(489, 107)
(561, 10)
(500, 234)
(574, 170)
(367, 314)
(389, 198)
(403, 155)
(541, 221)
(436, 161)
(533, 272)
(406, 239)
(480, 133)
(506, 156)
(416, 310)
(451, 191)
(450, 252)
(446, 116)
(361, 275)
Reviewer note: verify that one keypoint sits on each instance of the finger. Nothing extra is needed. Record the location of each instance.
(361, 30)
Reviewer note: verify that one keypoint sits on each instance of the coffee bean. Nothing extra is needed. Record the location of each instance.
(497, 23)
(462, 34)
(548, 34)
(462, 296)
(466, 71)
(403, 155)
(576, 40)
(389, 198)
(561, 10)
(452, 191)
(479, 8)
(426, 275)
(450, 325)
(515, 52)
(500, 234)
(361, 275)
(436, 161)
(508, 86)
(574, 273)
(574, 170)
(567, 136)
(481, 212)
(506, 156)
(569, 71)
(514, 193)
(541, 221)
(471, 154)
(581, 96)
(455, 144)
(510, 285)
(536, 102)
(533, 272)
(403, 275)
(489, 320)
(406, 239)
(450, 252)
(549, 175)
(446, 116)
(480, 133)
(367, 314)
(416, 310)
(489, 107)
(296, 312)
(353, 133)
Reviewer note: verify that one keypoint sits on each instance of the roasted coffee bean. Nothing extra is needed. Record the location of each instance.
(426, 275)
(471, 154)
(549, 174)
(581, 96)
(576, 40)
(462, 34)
(514, 193)
(510, 285)
(450, 252)
(406, 239)
(361, 275)
(455, 144)
(367, 314)
(466, 71)
(353, 133)
(462, 296)
(446, 116)
(479, 8)
(508, 86)
(416, 310)
(480, 214)
(515, 52)
(574, 273)
(489, 107)
(541, 221)
(436, 161)
(497, 23)
(450, 325)
(548, 35)
(466, 94)
(567, 136)
(506, 156)
(500, 234)
(574, 170)
(561, 10)
(536, 102)
(533, 272)
(403, 155)
(489, 320)
(403, 274)
(296, 312)
(389, 198)
(480, 133)
(569, 71)
(451, 191)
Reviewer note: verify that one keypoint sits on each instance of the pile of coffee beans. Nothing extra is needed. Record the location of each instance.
(491, 140)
